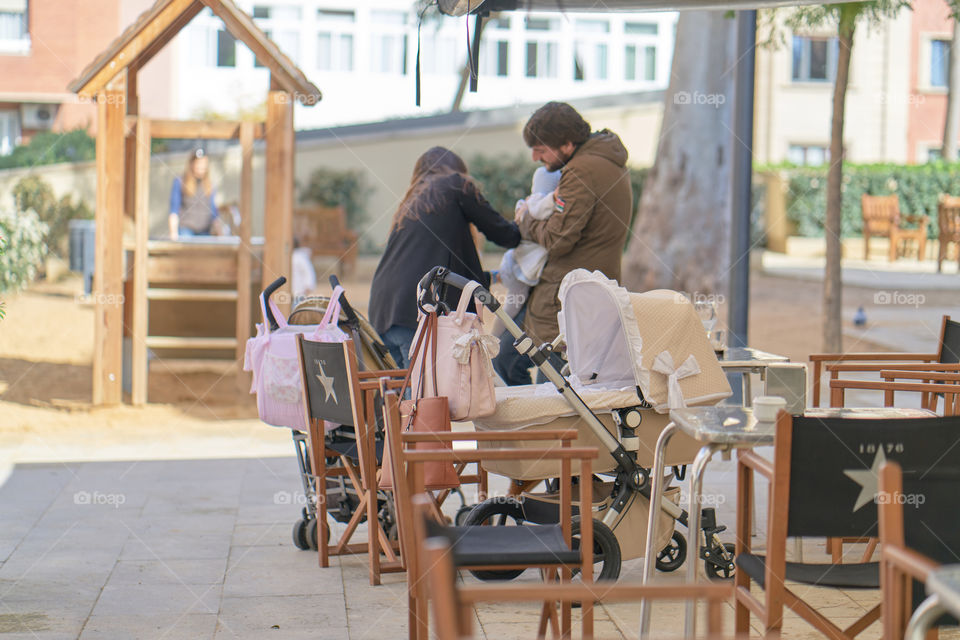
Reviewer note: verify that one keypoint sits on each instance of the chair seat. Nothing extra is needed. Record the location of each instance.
(348, 448)
(861, 575)
(533, 545)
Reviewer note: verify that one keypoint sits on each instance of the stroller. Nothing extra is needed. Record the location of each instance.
(342, 499)
(632, 357)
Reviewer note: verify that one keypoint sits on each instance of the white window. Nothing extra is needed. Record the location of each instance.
(14, 27)
(9, 131)
(939, 63)
(814, 59)
(226, 49)
(442, 55)
(335, 40)
(590, 50)
(542, 47)
(495, 48)
(389, 42)
(280, 23)
(807, 155)
(641, 40)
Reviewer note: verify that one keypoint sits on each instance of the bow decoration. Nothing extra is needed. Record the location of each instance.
(663, 363)
(489, 348)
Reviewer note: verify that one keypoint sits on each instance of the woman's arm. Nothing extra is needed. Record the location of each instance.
(478, 211)
(176, 201)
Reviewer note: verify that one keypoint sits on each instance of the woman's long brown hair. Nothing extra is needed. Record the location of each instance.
(421, 196)
(189, 182)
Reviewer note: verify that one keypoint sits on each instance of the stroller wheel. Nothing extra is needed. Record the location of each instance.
(606, 550)
(300, 534)
(721, 566)
(462, 514)
(673, 555)
(501, 513)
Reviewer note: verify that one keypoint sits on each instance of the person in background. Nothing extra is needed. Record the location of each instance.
(193, 209)
(431, 227)
(588, 228)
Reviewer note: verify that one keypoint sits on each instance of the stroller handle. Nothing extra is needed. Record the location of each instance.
(273, 286)
(431, 281)
(348, 311)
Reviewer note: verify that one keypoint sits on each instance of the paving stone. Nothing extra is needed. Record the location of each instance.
(180, 546)
(157, 600)
(284, 617)
(197, 571)
(137, 627)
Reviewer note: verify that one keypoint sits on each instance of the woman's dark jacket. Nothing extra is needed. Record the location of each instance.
(438, 237)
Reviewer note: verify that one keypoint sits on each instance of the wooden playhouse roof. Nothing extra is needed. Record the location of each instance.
(150, 32)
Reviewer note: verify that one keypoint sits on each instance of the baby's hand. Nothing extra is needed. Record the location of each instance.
(521, 211)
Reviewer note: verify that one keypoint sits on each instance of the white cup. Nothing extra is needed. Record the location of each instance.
(765, 408)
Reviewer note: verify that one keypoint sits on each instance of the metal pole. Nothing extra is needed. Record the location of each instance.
(742, 178)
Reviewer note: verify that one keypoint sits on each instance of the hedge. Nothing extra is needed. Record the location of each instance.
(918, 186)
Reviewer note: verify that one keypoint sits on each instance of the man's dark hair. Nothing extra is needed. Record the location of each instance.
(555, 124)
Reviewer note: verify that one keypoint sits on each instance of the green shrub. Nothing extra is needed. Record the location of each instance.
(332, 188)
(48, 147)
(22, 250)
(503, 179)
(34, 194)
(918, 186)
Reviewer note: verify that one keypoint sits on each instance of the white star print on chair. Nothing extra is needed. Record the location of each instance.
(868, 479)
(327, 383)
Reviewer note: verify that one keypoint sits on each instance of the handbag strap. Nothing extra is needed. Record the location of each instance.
(279, 317)
(332, 314)
(428, 325)
(465, 296)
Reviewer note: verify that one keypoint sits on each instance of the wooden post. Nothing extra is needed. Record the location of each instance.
(130, 145)
(278, 213)
(108, 272)
(244, 251)
(139, 364)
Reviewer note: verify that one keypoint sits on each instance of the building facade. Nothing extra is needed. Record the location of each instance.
(363, 56)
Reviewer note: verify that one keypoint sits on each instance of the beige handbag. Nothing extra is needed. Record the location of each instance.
(463, 359)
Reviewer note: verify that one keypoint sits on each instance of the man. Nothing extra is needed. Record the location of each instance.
(589, 224)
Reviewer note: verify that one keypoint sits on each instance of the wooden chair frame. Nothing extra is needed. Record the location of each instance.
(453, 603)
(882, 217)
(948, 220)
(776, 594)
(362, 476)
(410, 497)
(835, 363)
(898, 564)
(949, 388)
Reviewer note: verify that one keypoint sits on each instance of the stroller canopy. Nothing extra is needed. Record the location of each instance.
(653, 340)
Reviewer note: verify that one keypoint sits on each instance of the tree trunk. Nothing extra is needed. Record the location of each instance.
(950, 127)
(681, 235)
(832, 280)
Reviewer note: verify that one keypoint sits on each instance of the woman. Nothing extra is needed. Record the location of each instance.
(192, 206)
(431, 227)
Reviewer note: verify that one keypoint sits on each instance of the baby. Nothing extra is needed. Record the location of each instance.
(520, 268)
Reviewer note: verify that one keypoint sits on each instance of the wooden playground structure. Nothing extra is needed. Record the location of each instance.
(195, 273)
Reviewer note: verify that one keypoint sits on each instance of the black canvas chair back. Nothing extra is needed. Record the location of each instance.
(834, 466)
(327, 381)
(931, 518)
(950, 347)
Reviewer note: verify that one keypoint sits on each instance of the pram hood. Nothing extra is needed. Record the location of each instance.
(653, 340)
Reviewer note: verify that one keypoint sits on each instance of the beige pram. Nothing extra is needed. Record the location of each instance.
(632, 357)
